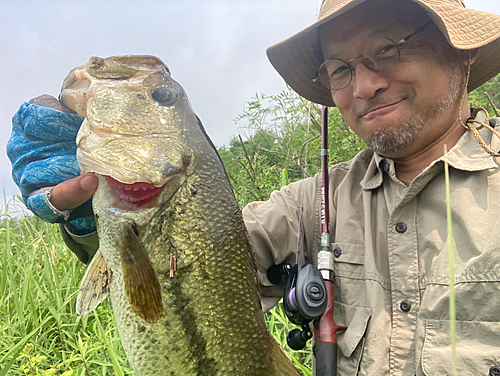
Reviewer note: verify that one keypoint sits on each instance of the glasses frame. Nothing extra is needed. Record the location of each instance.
(399, 44)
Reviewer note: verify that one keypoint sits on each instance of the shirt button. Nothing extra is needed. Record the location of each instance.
(401, 227)
(405, 306)
(337, 252)
(385, 166)
(494, 371)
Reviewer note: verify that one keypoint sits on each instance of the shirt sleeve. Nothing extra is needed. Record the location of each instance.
(83, 246)
(42, 150)
(273, 227)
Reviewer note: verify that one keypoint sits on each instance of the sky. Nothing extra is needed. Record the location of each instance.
(214, 48)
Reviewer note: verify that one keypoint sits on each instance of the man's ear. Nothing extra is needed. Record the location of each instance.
(470, 55)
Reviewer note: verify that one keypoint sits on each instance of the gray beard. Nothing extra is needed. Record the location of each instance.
(388, 141)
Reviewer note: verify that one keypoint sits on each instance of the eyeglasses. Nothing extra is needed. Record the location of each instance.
(379, 54)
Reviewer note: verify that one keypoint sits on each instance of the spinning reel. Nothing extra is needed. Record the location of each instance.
(304, 298)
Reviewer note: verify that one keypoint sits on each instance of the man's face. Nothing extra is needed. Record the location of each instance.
(402, 111)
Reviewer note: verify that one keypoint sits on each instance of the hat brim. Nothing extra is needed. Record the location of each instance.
(298, 58)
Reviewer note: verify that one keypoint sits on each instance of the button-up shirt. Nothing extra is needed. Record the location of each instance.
(392, 278)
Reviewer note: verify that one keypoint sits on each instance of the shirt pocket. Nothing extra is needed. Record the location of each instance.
(351, 341)
(477, 347)
(349, 268)
(349, 260)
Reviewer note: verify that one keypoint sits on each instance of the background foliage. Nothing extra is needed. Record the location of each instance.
(40, 333)
(487, 96)
(280, 142)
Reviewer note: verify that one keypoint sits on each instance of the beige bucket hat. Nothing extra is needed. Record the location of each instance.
(298, 58)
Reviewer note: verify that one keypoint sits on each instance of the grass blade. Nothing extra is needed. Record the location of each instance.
(16, 349)
(451, 262)
(116, 366)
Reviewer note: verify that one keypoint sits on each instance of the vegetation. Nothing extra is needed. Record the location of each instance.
(487, 96)
(40, 333)
(280, 142)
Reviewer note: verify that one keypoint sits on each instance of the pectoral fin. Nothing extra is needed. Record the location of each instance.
(95, 285)
(141, 284)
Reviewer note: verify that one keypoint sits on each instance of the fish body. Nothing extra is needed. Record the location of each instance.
(174, 253)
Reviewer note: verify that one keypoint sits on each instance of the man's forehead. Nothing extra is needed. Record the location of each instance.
(368, 19)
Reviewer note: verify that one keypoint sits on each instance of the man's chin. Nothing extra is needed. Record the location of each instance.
(390, 141)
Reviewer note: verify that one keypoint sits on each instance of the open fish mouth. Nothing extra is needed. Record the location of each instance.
(134, 195)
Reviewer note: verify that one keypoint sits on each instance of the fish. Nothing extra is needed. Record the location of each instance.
(174, 254)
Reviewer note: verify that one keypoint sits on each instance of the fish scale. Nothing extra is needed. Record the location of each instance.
(202, 317)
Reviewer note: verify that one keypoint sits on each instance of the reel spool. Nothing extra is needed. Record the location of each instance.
(304, 298)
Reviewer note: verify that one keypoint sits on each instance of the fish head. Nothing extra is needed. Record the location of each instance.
(137, 131)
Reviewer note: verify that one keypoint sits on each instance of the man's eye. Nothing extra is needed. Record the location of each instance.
(388, 49)
(340, 70)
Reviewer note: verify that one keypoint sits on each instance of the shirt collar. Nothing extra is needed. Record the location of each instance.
(466, 155)
(374, 175)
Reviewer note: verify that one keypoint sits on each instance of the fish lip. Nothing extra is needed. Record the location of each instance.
(135, 195)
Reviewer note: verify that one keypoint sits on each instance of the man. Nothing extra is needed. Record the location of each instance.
(398, 71)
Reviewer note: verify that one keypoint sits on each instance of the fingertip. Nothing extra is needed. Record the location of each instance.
(89, 182)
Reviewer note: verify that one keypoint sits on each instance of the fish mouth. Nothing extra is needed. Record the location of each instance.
(134, 195)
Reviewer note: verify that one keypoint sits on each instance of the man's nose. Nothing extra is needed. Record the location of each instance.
(367, 82)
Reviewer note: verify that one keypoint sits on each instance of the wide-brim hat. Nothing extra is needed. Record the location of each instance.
(298, 58)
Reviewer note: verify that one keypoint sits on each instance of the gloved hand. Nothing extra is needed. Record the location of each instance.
(42, 150)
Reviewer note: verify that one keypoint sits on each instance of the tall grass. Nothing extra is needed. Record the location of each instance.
(40, 333)
(451, 267)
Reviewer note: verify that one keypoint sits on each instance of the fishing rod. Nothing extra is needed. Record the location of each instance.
(325, 328)
(308, 294)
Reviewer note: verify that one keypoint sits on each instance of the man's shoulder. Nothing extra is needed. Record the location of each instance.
(360, 161)
(349, 172)
(353, 171)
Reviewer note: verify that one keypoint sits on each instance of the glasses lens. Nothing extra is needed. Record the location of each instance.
(381, 54)
(335, 74)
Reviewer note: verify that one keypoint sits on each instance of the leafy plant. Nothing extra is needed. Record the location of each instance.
(40, 333)
(487, 96)
(280, 142)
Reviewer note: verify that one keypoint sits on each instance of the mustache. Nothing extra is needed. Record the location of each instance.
(377, 102)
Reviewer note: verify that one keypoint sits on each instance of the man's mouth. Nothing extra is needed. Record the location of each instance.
(137, 194)
(380, 109)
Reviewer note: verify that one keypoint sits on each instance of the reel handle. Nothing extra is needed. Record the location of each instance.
(296, 339)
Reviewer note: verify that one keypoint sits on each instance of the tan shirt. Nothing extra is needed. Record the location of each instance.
(391, 242)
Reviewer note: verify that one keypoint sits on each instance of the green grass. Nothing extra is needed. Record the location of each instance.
(40, 333)
(451, 263)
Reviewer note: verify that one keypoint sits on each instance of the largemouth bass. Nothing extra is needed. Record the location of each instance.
(174, 253)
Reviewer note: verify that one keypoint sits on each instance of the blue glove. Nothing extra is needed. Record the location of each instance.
(42, 151)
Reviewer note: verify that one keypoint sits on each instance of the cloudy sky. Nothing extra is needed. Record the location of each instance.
(214, 48)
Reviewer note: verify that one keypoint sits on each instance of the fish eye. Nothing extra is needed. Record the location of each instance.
(164, 96)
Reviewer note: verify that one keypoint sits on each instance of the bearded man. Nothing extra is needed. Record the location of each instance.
(399, 72)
